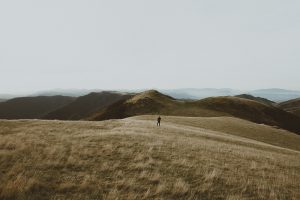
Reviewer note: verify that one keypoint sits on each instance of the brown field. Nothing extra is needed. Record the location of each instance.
(185, 158)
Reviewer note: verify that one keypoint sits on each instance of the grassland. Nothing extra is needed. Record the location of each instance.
(185, 158)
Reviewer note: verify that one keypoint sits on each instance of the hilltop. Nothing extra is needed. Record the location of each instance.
(148, 102)
(292, 106)
(258, 99)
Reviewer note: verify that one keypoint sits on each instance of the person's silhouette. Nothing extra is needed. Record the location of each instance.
(158, 121)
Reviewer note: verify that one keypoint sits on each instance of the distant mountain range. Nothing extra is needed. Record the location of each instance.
(193, 93)
(276, 95)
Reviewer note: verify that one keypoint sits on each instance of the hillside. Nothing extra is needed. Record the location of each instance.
(149, 102)
(234, 126)
(258, 99)
(292, 106)
(153, 102)
(31, 107)
(134, 159)
(85, 106)
(253, 111)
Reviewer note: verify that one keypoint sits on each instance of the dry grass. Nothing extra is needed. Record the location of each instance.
(238, 127)
(134, 159)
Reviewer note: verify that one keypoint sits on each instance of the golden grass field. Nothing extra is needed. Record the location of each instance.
(185, 158)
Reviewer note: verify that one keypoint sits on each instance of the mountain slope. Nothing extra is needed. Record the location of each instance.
(258, 99)
(253, 111)
(153, 102)
(292, 106)
(143, 103)
(85, 106)
(31, 107)
(233, 126)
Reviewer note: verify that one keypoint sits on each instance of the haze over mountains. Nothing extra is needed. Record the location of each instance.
(276, 95)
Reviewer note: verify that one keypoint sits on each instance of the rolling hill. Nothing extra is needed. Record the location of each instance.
(31, 107)
(258, 99)
(292, 106)
(153, 102)
(253, 111)
(148, 102)
(85, 106)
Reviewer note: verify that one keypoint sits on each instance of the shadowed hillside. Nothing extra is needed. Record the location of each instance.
(86, 105)
(258, 99)
(292, 106)
(253, 111)
(153, 102)
(32, 107)
(149, 102)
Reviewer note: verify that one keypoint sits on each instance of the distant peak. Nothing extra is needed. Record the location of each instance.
(153, 94)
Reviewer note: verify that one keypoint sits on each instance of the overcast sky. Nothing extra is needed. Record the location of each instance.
(251, 44)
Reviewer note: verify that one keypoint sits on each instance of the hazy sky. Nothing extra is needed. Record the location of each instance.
(46, 44)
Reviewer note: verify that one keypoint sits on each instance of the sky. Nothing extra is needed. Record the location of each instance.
(117, 44)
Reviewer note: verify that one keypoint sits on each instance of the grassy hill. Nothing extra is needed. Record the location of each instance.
(234, 126)
(292, 106)
(258, 99)
(31, 107)
(85, 106)
(185, 158)
(153, 102)
(253, 111)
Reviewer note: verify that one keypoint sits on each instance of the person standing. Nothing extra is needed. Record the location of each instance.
(158, 121)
